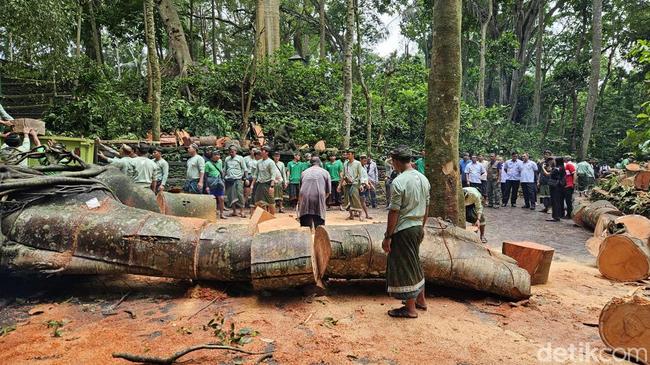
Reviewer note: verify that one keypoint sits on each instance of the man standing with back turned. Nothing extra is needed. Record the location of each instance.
(405, 230)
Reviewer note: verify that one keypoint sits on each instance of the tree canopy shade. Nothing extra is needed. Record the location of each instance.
(532, 74)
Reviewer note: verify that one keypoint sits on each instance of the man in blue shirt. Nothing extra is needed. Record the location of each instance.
(512, 168)
(528, 170)
(463, 164)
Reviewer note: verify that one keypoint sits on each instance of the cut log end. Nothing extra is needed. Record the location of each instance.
(624, 326)
(533, 257)
(624, 258)
(322, 252)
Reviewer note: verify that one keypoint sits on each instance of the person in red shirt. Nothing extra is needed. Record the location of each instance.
(570, 171)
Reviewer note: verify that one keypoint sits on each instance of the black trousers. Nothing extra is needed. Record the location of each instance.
(311, 220)
(335, 196)
(568, 200)
(557, 202)
(512, 190)
(503, 192)
(530, 193)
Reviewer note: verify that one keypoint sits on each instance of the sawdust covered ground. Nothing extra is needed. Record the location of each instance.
(348, 326)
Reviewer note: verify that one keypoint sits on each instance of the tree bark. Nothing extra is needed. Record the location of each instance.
(443, 119)
(364, 86)
(78, 39)
(537, 98)
(592, 99)
(574, 119)
(267, 26)
(623, 327)
(347, 73)
(154, 75)
(191, 29)
(213, 33)
(587, 214)
(481, 78)
(97, 45)
(321, 21)
(177, 42)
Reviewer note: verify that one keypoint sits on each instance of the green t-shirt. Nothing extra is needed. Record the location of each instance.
(265, 171)
(195, 167)
(419, 164)
(295, 171)
(334, 168)
(213, 169)
(410, 196)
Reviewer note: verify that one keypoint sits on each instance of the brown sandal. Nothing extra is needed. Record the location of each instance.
(401, 313)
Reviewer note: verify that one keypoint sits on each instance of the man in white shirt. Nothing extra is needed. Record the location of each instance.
(473, 172)
(528, 169)
(512, 168)
(484, 179)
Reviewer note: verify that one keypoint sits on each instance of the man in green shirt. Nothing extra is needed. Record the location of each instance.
(145, 170)
(280, 182)
(195, 171)
(214, 179)
(586, 175)
(352, 175)
(474, 209)
(235, 168)
(294, 172)
(407, 215)
(419, 163)
(124, 162)
(335, 168)
(163, 169)
(263, 184)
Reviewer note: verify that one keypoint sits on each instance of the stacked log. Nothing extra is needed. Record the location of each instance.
(624, 326)
(586, 214)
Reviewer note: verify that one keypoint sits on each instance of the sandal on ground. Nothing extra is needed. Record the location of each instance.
(401, 313)
(417, 305)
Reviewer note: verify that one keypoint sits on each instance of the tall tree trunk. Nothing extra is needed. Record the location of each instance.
(321, 20)
(537, 98)
(592, 99)
(203, 28)
(191, 29)
(154, 75)
(78, 39)
(574, 119)
(608, 74)
(347, 73)
(95, 31)
(267, 26)
(364, 86)
(177, 42)
(213, 33)
(481, 77)
(503, 86)
(443, 119)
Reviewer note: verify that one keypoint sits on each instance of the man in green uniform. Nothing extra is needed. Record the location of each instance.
(474, 209)
(195, 171)
(235, 168)
(163, 169)
(407, 215)
(280, 182)
(493, 171)
(124, 162)
(335, 167)
(294, 171)
(351, 175)
(145, 170)
(419, 163)
(264, 182)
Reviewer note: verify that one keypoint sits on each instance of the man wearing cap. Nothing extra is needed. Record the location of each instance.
(124, 162)
(474, 209)
(264, 182)
(163, 169)
(294, 171)
(195, 171)
(350, 185)
(280, 182)
(13, 146)
(235, 169)
(407, 215)
(334, 167)
(315, 187)
(145, 170)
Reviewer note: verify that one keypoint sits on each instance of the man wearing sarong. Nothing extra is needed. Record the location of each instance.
(264, 182)
(280, 182)
(235, 168)
(474, 209)
(407, 215)
(350, 185)
(195, 171)
(315, 187)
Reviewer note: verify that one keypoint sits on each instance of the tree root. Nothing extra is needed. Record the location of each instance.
(171, 359)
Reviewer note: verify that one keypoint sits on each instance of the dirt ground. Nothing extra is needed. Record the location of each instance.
(83, 320)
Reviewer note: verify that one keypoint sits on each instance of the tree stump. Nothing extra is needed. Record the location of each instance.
(642, 180)
(624, 326)
(531, 256)
(623, 257)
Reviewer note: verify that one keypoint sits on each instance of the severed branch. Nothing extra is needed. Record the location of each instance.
(171, 359)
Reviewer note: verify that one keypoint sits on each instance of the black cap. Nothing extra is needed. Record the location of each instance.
(401, 153)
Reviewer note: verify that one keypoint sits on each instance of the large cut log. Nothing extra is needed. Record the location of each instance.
(624, 326)
(65, 236)
(451, 256)
(642, 180)
(586, 214)
(259, 216)
(188, 205)
(636, 225)
(623, 257)
(286, 259)
(531, 256)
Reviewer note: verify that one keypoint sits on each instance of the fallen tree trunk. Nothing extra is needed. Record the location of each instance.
(623, 257)
(188, 205)
(451, 256)
(624, 326)
(636, 225)
(587, 214)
